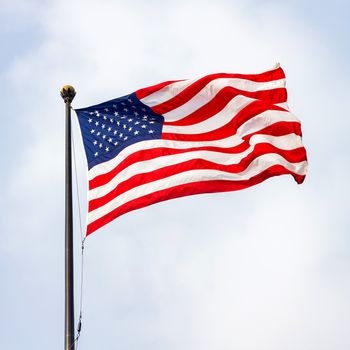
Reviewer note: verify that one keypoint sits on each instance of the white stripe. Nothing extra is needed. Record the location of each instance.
(263, 120)
(216, 121)
(106, 167)
(171, 90)
(287, 142)
(256, 166)
(283, 105)
(167, 92)
(211, 89)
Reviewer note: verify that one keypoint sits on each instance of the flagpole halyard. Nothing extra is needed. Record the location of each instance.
(68, 93)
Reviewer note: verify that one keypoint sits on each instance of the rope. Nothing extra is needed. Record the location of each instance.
(81, 292)
(76, 340)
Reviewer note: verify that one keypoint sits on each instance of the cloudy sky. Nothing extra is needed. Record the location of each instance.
(266, 268)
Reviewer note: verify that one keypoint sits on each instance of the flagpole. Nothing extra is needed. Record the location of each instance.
(68, 93)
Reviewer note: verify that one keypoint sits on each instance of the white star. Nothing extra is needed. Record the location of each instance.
(116, 143)
(90, 120)
(143, 126)
(118, 123)
(143, 109)
(107, 149)
(109, 129)
(133, 107)
(96, 154)
(130, 128)
(97, 123)
(125, 138)
(111, 120)
(125, 109)
(110, 139)
(130, 120)
(115, 131)
(114, 106)
(92, 131)
(100, 145)
(152, 122)
(130, 100)
(104, 136)
(124, 126)
(136, 132)
(95, 142)
(106, 109)
(99, 133)
(104, 117)
(121, 135)
(116, 114)
(123, 103)
(145, 116)
(103, 126)
(136, 114)
(91, 113)
(137, 122)
(150, 131)
(96, 112)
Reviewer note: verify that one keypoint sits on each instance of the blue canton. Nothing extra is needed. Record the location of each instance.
(109, 127)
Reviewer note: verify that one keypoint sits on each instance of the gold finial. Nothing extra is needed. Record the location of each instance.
(68, 93)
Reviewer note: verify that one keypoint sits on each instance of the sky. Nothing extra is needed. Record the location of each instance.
(265, 268)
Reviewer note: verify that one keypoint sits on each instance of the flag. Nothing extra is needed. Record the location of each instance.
(221, 132)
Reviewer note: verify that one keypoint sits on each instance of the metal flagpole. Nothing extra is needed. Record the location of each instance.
(68, 94)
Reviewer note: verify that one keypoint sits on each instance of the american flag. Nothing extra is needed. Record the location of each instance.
(221, 132)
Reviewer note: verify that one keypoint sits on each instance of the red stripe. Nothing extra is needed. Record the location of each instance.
(248, 112)
(223, 97)
(277, 129)
(190, 189)
(185, 95)
(292, 156)
(151, 89)
(148, 154)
